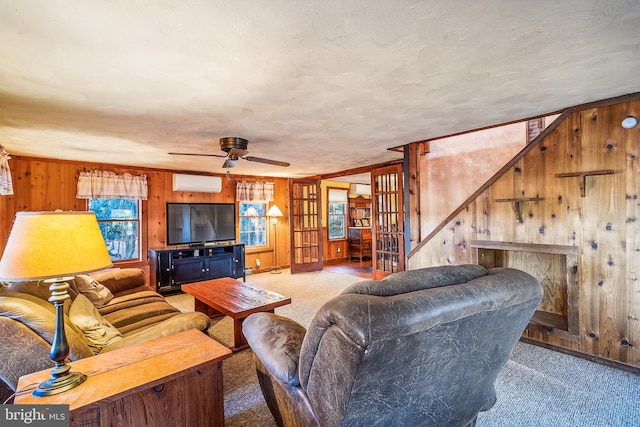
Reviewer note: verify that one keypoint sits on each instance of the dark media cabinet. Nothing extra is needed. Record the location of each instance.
(170, 268)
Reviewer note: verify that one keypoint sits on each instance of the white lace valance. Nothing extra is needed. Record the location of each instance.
(254, 191)
(6, 184)
(104, 184)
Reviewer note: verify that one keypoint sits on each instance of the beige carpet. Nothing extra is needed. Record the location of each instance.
(243, 401)
(538, 387)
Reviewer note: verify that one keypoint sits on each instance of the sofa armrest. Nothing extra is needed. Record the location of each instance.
(22, 352)
(276, 341)
(39, 317)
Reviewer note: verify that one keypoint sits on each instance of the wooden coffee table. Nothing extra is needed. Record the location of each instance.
(230, 297)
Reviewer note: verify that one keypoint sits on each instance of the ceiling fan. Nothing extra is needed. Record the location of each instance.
(236, 148)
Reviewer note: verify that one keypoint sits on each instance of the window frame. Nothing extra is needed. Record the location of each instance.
(344, 215)
(139, 220)
(265, 207)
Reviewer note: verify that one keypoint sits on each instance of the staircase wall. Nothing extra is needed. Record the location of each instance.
(603, 225)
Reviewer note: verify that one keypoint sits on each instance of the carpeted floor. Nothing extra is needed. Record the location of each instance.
(538, 387)
(244, 405)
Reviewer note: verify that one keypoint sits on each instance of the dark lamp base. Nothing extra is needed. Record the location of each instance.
(55, 385)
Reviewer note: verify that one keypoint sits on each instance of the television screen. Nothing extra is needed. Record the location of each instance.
(191, 223)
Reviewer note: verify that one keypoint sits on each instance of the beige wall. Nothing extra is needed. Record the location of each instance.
(457, 166)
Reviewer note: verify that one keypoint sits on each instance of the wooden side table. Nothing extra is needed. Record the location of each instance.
(170, 381)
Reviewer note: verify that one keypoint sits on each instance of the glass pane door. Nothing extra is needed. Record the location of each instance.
(388, 221)
(306, 230)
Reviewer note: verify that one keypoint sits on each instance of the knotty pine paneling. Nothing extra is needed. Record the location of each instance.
(330, 248)
(46, 184)
(603, 225)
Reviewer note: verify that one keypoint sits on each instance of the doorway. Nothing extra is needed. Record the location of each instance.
(347, 225)
(384, 224)
(352, 267)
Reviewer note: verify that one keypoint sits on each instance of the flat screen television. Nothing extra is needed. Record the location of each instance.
(199, 223)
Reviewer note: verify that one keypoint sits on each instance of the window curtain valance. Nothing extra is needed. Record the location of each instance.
(6, 184)
(105, 184)
(254, 191)
(338, 196)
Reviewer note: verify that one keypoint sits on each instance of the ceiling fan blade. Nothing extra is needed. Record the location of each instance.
(238, 152)
(229, 163)
(267, 161)
(199, 154)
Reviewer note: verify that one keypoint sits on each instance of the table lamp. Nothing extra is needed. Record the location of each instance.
(54, 247)
(274, 212)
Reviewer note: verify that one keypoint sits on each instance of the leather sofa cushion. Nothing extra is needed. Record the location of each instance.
(130, 312)
(171, 325)
(98, 331)
(120, 279)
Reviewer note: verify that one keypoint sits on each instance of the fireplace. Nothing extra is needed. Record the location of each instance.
(555, 266)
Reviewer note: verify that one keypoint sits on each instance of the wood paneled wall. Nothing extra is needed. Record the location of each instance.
(44, 184)
(604, 225)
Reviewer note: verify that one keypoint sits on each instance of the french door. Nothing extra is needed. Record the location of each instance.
(388, 221)
(306, 229)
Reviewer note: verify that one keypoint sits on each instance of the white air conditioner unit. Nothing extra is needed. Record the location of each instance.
(197, 183)
(360, 189)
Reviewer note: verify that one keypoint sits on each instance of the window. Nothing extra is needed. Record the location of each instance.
(253, 224)
(337, 213)
(119, 221)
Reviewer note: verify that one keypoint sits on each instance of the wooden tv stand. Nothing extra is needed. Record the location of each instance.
(166, 382)
(172, 267)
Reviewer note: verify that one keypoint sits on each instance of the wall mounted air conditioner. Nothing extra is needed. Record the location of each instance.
(360, 189)
(197, 183)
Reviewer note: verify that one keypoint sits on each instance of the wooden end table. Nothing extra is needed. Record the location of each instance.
(230, 297)
(171, 381)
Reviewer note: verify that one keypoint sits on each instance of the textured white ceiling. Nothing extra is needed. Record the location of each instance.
(325, 85)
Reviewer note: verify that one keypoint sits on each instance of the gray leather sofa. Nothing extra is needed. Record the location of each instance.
(419, 348)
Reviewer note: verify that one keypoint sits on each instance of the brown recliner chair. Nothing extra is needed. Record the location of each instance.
(419, 348)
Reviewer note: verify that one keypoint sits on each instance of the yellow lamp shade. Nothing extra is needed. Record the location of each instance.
(45, 245)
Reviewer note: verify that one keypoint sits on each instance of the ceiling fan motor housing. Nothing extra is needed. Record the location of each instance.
(229, 142)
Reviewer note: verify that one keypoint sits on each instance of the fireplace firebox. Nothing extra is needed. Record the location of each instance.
(555, 266)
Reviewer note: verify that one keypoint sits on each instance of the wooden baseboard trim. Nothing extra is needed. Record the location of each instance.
(589, 357)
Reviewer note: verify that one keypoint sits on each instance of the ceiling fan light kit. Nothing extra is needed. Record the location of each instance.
(236, 148)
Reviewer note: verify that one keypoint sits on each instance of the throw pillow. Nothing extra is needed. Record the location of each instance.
(97, 293)
(98, 331)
